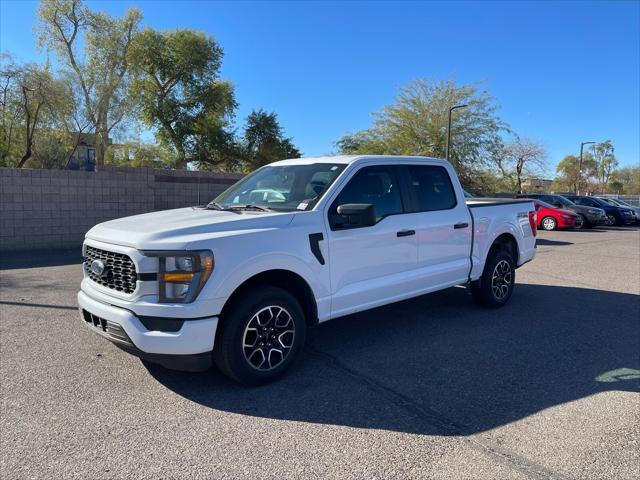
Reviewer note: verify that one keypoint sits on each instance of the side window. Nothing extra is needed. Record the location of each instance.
(431, 187)
(374, 185)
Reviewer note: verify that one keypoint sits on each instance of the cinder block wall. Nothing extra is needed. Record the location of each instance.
(53, 209)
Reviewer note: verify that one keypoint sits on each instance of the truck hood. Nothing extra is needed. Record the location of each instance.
(176, 229)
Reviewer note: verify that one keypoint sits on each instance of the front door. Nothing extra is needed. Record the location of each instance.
(369, 265)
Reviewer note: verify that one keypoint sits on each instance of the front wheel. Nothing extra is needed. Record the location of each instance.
(260, 336)
(611, 219)
(495, 286)
(549, 223)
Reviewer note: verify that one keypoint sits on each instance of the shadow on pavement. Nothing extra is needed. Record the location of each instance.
(39, 258)
(546, 242)
(439, 365)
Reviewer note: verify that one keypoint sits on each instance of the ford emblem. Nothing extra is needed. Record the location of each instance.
(98, 267)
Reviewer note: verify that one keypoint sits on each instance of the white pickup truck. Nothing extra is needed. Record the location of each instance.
(240, 281)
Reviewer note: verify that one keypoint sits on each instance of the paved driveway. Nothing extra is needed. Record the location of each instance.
(547, 387)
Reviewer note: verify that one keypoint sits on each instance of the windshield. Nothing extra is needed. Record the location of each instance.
(610, 201)
(282, 188)
(565, 202)
(545, 204)
(622, 203)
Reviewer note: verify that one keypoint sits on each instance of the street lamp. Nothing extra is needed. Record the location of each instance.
(581, 150)
(449, 127)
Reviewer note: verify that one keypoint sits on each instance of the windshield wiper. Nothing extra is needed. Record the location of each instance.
(214, 206)
(248, 206)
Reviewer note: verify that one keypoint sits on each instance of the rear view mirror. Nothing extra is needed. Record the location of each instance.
(354, 215)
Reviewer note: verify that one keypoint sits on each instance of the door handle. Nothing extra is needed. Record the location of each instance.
(461, 225)
(405, 233)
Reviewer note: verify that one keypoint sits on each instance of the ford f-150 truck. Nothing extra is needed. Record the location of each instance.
(240, 281)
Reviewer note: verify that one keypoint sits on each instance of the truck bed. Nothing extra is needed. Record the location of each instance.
(492, 202)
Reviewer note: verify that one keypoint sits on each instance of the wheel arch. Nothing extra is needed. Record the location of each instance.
(287, 280)
(507, 242)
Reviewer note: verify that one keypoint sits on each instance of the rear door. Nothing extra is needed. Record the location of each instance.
(442, 224)
(370, 266)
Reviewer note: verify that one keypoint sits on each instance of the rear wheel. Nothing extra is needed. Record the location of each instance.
(495, 286)
(549, 223)
(260, 336)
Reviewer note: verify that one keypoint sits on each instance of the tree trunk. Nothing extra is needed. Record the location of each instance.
(25, 157)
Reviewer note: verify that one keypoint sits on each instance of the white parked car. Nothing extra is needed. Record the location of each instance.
(295, 243)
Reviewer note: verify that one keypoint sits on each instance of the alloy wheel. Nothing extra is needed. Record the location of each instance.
(501, 279)
(268, 338)
(548, 223)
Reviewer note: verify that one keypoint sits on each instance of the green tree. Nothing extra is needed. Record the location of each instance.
(605, 162)
(627, 180)
(416, 124)
(176, 82)
(10, 108)
(101, 67)
(34, 107)
(570, 178)
(264, 141)
(139, 154)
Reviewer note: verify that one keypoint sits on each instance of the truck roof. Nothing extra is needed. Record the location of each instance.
(348, 159)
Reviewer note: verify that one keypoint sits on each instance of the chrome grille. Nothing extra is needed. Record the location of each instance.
(113, 330)
(120, 271)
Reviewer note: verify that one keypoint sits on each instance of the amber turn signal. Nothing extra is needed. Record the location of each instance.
(177, 277)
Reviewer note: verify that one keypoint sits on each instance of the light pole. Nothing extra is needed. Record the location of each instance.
(449, 127)
(580, 165)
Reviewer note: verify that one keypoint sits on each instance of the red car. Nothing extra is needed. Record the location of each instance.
(552, 218)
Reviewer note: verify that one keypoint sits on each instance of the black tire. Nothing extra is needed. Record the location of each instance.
(549, 223)
(585, 223)
(259, 308)
(483, 291)
(613, 220)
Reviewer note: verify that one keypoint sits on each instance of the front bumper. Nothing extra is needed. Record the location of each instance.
(188, 348)
(594, 219)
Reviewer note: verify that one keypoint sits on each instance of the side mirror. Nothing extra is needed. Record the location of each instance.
(557, 205)
(354, 215)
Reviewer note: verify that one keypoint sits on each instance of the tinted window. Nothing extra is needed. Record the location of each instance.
(374, 185)
(431, 187)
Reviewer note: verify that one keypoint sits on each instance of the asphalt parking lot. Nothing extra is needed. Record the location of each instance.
(547, 387)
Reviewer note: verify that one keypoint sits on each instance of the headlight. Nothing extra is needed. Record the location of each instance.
(568, 217)
(593, 211)
(181, 276)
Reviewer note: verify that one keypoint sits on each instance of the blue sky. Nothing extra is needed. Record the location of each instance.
(563, 72)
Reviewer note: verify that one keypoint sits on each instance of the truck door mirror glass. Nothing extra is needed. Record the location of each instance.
(354, 215)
